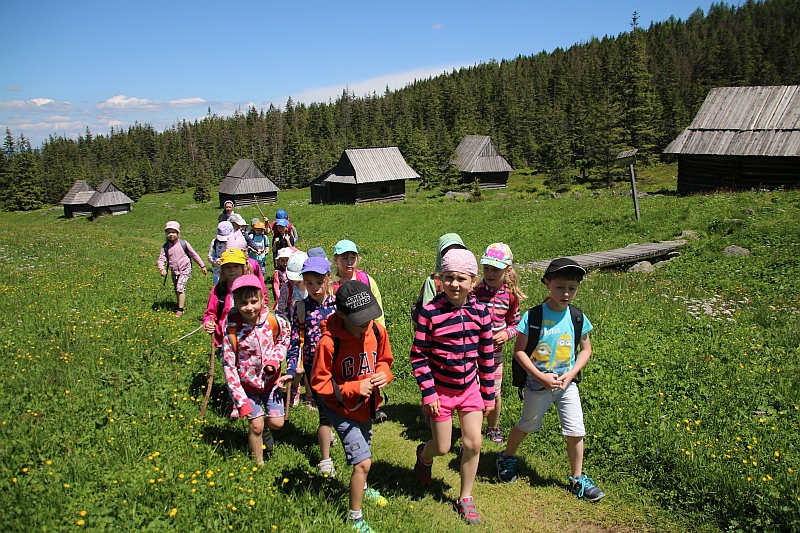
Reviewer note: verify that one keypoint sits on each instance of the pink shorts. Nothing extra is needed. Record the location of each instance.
(464, 401)
(498, 371)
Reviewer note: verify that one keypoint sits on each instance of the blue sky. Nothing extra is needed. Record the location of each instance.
(66, 66)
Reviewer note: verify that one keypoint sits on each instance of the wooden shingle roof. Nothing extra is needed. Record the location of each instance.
(80, 193)
(246, 178)
(107, 194)
(752, 121)
(477, 153)
(371, 165)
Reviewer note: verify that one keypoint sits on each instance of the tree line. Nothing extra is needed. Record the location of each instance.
(562, 113)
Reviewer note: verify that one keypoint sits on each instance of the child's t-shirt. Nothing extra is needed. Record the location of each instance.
(553, 352)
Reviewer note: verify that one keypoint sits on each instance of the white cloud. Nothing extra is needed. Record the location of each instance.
(365, 87)
(182, 103)
(56, 118)
(13, 88)
(42, 101)
(35, 105)
(438, 26)
(123, 103)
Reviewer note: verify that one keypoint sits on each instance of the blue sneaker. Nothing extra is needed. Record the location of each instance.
(583, 487)
(361, 526)
(506, 468)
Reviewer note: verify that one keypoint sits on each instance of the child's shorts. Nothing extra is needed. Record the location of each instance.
(464, 401)
(272, 401)
(356, 438)
(568, 404)
(498, 371)
(180, 281)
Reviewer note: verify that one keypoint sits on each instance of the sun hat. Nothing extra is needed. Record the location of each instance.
(498, 255)
(562, 264)
(254, 221)
(224, 230)
(280, 213)
(295, 265)
(344, 246)
(356, 301)
(259, 225)
(282, 222)
(317, 251)
(284, 253)
(318, 265)
(248, 280)
(232, 255)
(460, 261)
(173, 225)
(236, 218)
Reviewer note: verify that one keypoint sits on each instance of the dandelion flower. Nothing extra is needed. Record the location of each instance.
(80, 522)
(173, 512)
(82, 513)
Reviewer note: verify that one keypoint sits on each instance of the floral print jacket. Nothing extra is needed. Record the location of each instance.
(316, 313)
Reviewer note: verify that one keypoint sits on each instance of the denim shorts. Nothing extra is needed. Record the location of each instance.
(356, 437)
(567, 402)
(272, 401)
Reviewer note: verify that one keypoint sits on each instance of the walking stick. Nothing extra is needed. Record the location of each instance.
(266, 220)
(210, 378)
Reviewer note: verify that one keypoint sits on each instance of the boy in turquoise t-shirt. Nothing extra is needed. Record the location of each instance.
(552, 366)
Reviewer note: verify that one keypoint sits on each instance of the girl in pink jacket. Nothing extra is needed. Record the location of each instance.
(177, 255)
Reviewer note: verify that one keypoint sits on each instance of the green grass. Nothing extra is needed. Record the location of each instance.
(692, 418)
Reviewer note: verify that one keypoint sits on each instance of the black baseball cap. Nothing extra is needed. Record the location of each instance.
(561, 264)
(357, 302)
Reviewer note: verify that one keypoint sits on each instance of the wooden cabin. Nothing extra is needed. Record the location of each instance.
(742, 138)
(364, 175)
(244, 183)
(478, 159)
(108, 199)
(76, 201)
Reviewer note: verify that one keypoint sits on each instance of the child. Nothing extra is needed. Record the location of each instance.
(453, 362)
(280, 238)
(292, 290)
(280, 213)
(252, 353)
(177, 255)
(309, 314)
(352, 364)
(260, 244)
(499, 291)
(219, 245)
(432, 284)
(345, 258)
(552, 373)
(239, 238)
(233, 265)
(227, 211)
(279, 275)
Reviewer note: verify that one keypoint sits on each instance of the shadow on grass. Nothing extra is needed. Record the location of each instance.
(168, 305)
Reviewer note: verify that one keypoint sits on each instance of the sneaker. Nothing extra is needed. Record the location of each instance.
(375, 496)
(466, 507)
(361, 526)
(380, 416)
(326, 468)
(583, 487)
(179, 313)
(506, 468)
(268, 440)
(421, 470)
(495, 435)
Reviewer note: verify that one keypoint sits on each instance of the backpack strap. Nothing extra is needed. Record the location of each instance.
(232, 329)
(218, 288)
(577, 330)
(274, 325)
(534, 332)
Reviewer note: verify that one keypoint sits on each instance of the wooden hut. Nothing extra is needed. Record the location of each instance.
(107, 199)
(364, 175)
(742, 138)
(76, 201)
(244, 183)
(478, 159)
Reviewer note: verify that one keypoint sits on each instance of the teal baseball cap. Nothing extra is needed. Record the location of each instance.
(344, 246)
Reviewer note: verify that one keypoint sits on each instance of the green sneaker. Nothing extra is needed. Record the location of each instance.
(361, 526)
(583, 487)
(375, 496)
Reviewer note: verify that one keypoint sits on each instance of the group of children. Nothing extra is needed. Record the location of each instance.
(328, 327)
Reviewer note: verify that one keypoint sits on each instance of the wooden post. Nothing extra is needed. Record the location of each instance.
(635, 194)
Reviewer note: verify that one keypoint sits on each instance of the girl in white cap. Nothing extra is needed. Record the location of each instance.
(177, 254)
(219, 245)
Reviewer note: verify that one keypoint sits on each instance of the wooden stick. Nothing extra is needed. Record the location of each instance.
(210, 378)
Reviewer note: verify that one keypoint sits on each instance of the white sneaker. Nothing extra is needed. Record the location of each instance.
(326, 468)
(268, 440)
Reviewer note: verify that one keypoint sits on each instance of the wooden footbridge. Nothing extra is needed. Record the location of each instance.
(619, 256)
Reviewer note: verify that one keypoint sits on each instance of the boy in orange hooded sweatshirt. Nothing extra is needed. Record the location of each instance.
(352, 363)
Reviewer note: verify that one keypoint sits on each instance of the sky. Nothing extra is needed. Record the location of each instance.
(68, 66)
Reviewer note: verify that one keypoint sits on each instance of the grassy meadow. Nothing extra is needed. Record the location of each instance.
(691, 398)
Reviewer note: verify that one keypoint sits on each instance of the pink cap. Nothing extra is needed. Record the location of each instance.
(248, 280)
(173, 225)
(460, 261)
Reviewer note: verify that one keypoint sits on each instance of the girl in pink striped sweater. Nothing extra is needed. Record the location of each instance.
(453, 361)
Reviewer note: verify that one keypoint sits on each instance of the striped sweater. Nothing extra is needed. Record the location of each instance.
(503, 309)
(452, 348)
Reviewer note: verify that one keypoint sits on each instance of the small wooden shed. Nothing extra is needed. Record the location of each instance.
(742, 138)
(244, 183)
(478, 159)
(364, 175)
(76, 201)
(108, 199)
